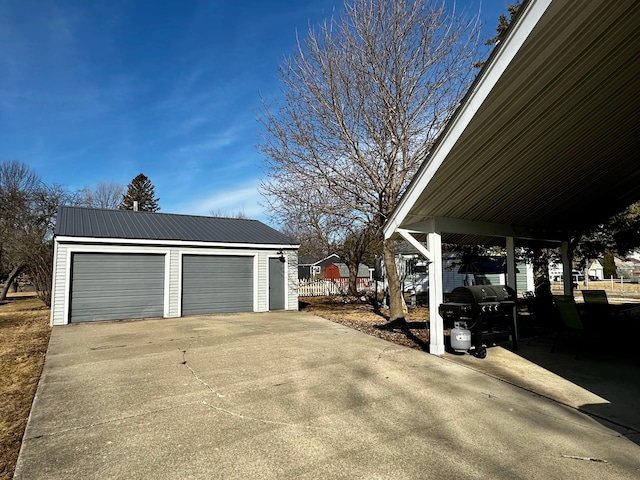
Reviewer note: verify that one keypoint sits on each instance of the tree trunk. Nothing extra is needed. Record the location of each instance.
(396, 311)
(353, 262)
(544, 309)
(541, 281)
(10, 279)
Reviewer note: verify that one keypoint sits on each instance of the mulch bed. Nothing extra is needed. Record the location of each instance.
(360, 314)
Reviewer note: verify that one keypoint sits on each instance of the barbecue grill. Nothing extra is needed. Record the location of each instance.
(478, 314)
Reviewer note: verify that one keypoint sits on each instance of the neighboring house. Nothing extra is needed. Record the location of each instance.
(310, 268)
(635, 269)
(595, 270)
(627, 269)
(487, 270)
(121, 264)
(556, 274)
(329, 276)
(339, 271)
(338, 274)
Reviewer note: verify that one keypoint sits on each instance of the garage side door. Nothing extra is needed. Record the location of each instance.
(113, 286)
(216, 284)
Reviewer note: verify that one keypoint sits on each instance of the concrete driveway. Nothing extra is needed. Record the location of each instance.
(292, 396)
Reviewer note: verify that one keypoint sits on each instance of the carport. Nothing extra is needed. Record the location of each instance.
(544, 144)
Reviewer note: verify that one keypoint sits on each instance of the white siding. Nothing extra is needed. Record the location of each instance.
(263, 280)
(173, 273)
(174, 284)
(292, 281)
(58, 287)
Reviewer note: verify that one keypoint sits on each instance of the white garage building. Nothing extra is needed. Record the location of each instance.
(122, 264)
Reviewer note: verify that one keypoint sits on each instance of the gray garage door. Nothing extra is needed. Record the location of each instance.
(216, 284)
(113, 286)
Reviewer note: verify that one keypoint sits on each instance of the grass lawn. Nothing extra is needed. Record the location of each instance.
(24, 336)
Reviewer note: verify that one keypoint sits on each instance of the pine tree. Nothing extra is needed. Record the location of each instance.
(141, 190)
(503, 23)
(609, 267)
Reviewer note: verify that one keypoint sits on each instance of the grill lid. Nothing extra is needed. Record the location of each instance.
(482, 294)
(473, 294)
(504, 293)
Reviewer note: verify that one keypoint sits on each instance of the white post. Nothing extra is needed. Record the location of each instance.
(436, 325)
(511, 262)
(567, 271)
(511, 278)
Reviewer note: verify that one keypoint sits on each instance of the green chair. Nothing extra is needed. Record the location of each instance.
(572, 323)
(597, 305)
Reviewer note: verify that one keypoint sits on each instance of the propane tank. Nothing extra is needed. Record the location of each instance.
(460, 337)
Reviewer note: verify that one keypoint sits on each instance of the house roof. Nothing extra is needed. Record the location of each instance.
(363, 270)
(306, 260)
(328, 260)
(309, 260)
(127, 224)
(550, 127)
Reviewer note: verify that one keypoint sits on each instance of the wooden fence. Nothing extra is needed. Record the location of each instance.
(326, 288)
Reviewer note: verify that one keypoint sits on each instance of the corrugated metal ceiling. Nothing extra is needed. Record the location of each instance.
(555, 144)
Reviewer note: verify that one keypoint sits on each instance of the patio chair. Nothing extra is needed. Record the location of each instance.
(597, 306)
(542, 320)
(571, 321)
(595, 297)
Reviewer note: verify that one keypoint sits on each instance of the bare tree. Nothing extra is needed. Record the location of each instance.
(27, 212)
(37, 243)
(105, 195)
(17, 186)
(364, 97)
(222, 214)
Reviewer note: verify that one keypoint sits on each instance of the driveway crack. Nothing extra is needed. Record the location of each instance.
(195, 375)
(259, 420)
(110, 420)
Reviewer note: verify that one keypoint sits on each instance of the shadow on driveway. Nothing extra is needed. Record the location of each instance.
(292, 396)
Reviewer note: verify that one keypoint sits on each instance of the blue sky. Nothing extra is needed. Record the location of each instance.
(96, 91)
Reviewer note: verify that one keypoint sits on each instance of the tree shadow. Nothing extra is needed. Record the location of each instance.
(401, 325)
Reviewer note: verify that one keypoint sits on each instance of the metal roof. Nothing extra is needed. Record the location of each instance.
(547, 139)
(343, 269)
(127, 224)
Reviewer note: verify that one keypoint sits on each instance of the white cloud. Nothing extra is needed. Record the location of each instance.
(243, 198)
(211, 142)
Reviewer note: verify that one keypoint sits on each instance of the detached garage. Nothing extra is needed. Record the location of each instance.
(121, 264)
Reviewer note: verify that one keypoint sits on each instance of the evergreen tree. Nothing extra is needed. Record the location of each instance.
(609, 266)
(504, 22)
(141, 190)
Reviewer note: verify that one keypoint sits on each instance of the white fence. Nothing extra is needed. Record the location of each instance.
(325, 288)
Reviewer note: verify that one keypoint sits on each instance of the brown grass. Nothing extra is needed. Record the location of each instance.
(24, 336)
(631, 290)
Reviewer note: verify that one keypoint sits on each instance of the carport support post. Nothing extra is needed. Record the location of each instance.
(436, 328)
(511, 279)
(567, 270)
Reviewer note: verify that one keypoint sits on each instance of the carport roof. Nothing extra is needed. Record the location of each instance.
(547, 139)
(127, 224)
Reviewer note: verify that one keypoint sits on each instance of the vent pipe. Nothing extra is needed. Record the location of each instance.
(135, 205)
